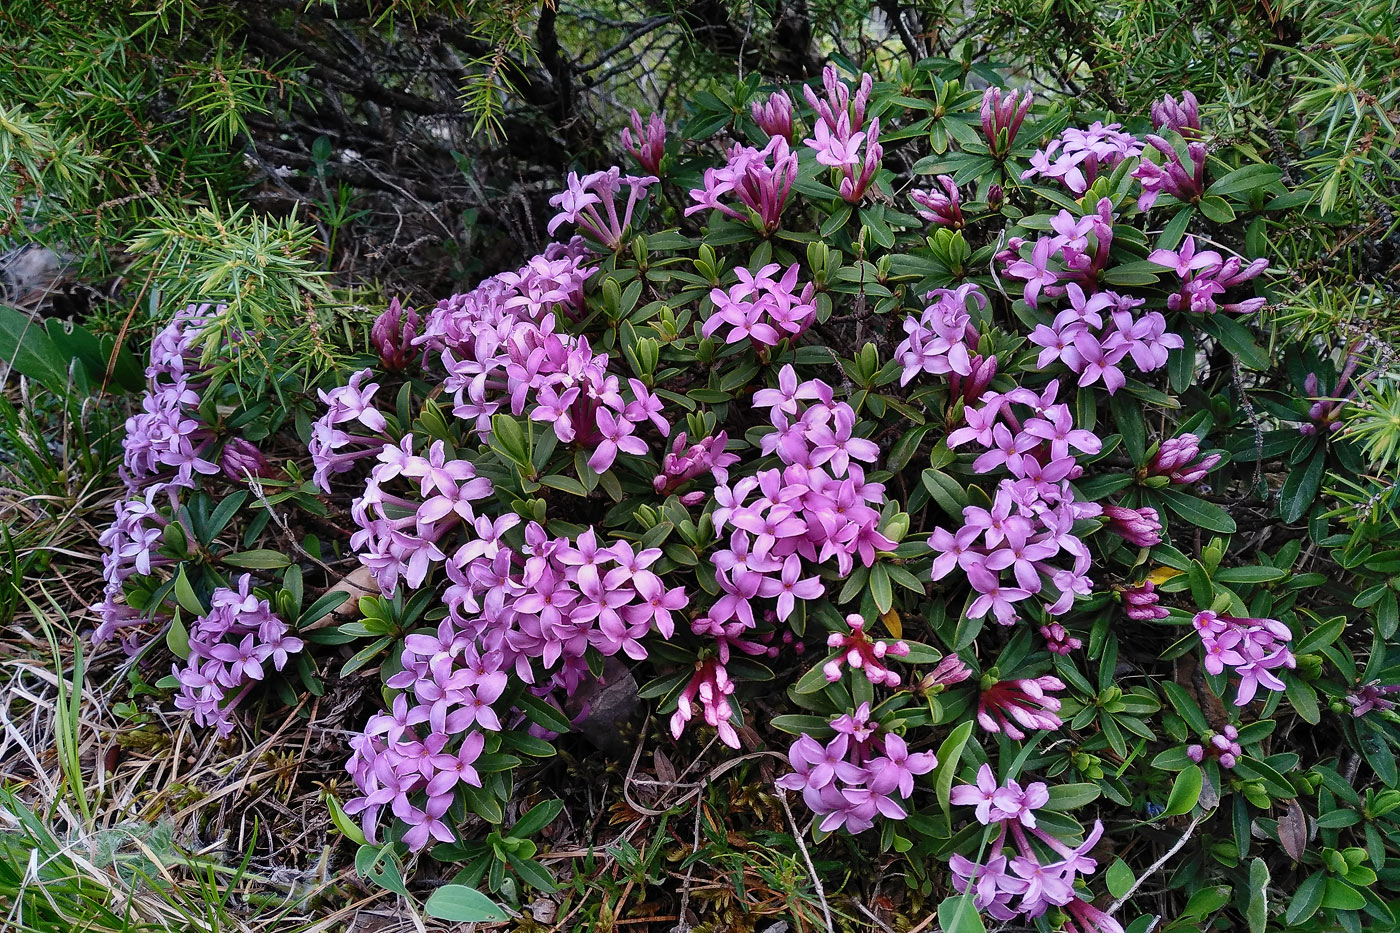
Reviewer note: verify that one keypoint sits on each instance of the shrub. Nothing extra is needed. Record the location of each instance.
(985, 493)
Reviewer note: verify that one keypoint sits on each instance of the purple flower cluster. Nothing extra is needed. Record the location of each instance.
(1222, 746)
(1139, 527)
(229, 650)
(710, 686)
(1012, 706)
(555, 597)
(1039, 880)
(412, 757)
(760, 179)
(1140, 603)
(1324, 414)
(1172, 176)
(762, 309)
(1077, 156)
(684, 463)
(167, 435)
(476, 325)
(819, 506)
(1205, 276)
(166, 447)
(1058, 640)
(860, 653)
(943, 340)
(502, 352)
(840, 133)
(393, 334)
(854, 777)
(1099, 330)
(1253, 648)
(1371, 696)
(349, 407)
(941, 208)
(1002, 117)
(1183, 117)
(649, 145)
(1176, 459)
(1031, 519)
(774, 115)
(401, 536)
(579, 202)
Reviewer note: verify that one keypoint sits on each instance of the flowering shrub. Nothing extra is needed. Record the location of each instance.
(987, 455)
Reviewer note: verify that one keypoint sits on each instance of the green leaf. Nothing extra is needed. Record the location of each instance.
(185, 596)
(365, 655)
(461, 904)
(1185, 706)
(958, 914)
(794, 724)
(1250, 574)
(1127, 418)
(348, 827)
(1236, 338)
(564, 484)
(1244, 178)
(1342, 896)
(1206, 901)
(1069, 796)
(1377, 751)
(542, 714)
(1217, 209)
(1257, 913)
(949, 755)
(224, 513)
(1300, 487)
(1307, 899)
(382, 867)
(532, 873)
(262, 559)
(1304, 700)
(508, 439)
(836, 221)
(25, 345)
(328, 602)
(1198, 512)
(1119, 878)
(1186, 791)
(177, 638)
(540, 816)
(880, 588)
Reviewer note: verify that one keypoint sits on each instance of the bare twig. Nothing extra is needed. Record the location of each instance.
(806, 857)
(1156, 866)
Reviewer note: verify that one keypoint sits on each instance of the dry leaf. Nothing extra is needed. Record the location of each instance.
(1293, 831)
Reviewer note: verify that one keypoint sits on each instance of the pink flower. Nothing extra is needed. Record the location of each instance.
(578, 204)
(1008, 704)
(650, 143)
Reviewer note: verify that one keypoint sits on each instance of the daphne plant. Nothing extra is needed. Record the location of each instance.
(938, 505)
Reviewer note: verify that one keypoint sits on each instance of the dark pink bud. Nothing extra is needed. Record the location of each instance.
(1140, 527)
(650, 143)
(392, 335)
(241, 458)
(774, 116)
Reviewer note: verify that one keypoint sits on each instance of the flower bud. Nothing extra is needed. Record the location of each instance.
(1140, 527)
(392, 335)
(241, 458)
